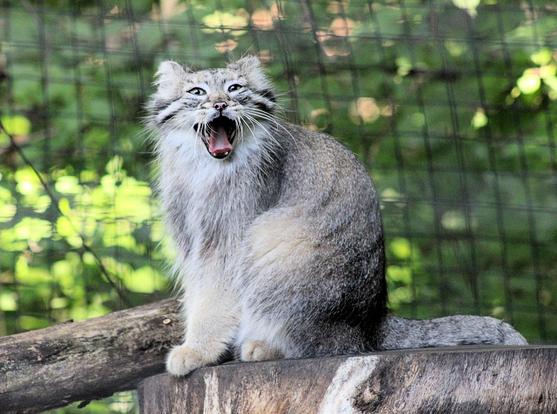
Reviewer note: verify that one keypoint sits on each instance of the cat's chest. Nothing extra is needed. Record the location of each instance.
(209, 208)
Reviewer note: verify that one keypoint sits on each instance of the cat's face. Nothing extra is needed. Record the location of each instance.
(215, 106)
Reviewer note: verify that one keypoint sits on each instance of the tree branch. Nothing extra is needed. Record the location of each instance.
(86, 360)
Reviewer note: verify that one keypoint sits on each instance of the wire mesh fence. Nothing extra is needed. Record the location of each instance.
(450, 104)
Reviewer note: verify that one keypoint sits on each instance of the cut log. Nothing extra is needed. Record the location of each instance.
(93, 359)
(86, 360)
(447, 380)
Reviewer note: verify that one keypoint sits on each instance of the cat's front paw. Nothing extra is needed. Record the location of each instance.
(182, 360)
(258, 351)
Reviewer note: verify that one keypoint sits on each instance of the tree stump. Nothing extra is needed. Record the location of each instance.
(444, 380)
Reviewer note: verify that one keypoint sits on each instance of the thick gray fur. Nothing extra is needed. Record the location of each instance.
(280, 245)
(400, 333)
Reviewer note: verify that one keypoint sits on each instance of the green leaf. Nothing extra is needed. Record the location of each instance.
(541, 57)
(400, 274)
(30, 275)
(68, 185)
(30, 323)
(529, 82)
(144, 280)
(8, 301)
(15, 125)
(34, 229)
(479, 120)
(401, 248)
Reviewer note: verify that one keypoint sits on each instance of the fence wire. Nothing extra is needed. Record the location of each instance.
(450, 104)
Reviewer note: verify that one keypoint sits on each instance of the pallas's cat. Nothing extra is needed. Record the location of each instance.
(277, 228)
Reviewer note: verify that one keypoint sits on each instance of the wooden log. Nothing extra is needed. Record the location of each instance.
(444, 380)
(93, 359)
(86, 360)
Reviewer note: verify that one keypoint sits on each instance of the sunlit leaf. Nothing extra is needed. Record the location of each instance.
(262, 19)
(226, 22)
(342, 27)
(479, 119)
(8, 301)
(529, 82)
(403, 65)
(547, 71)
(67, 185)
(541, 57)
(27, 181)
(96, 307)
(15, 125)
(366, 109)
(30, 228)
(66, 229)
(468, 5)
(30, 275)
(62, 268)
(401, 274)
(401, 248)
(144, 280)
(226, 46)
(8, 208)
(68, 274)
(453, 220)
(399, 296)
(114, 166)
(59, 303)
(10, 242)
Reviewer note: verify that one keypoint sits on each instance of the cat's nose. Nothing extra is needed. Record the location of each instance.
(220, 106)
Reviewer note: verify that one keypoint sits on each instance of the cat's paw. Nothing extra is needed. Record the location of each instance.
(182, 360)
(258, 351)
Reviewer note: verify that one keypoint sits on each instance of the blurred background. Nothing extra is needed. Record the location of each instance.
(450, 104)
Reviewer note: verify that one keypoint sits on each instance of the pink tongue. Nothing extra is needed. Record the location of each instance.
(219, 143)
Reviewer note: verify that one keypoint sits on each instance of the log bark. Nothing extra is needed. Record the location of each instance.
(447, 380)
(93, 359)
(87, 360)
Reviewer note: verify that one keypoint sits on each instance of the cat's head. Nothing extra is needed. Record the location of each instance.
(215, 106)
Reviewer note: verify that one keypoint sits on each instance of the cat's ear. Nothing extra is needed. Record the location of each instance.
(169, 77)
(250, 66)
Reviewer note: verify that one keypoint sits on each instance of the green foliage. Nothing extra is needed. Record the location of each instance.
(449, 104)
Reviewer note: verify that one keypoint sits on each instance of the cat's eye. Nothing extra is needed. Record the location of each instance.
(235, 87)
(197, 91)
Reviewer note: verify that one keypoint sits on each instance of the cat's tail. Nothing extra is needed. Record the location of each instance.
(400, 333)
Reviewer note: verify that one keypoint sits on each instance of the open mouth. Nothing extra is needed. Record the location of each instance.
(219, 137)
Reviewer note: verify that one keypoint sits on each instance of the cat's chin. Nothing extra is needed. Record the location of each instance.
(218, 137)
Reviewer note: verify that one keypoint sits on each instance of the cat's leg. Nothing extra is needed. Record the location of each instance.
(258, 350)
(297, 326)
(264, 253)
(211, 321)
(305, 297)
